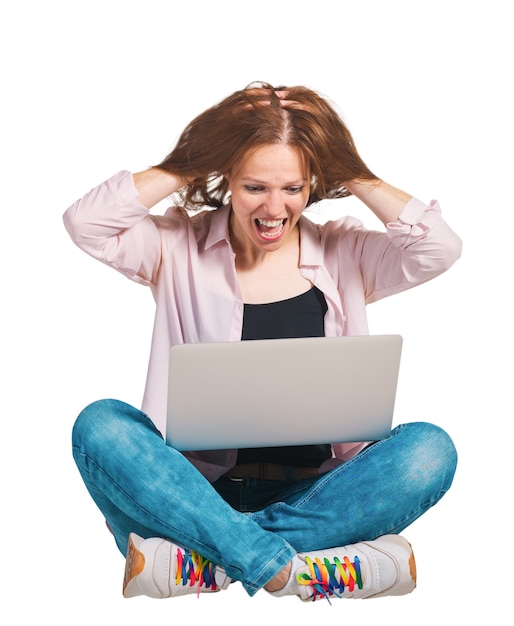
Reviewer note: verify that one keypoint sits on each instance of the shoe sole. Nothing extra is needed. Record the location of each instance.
(134, 565)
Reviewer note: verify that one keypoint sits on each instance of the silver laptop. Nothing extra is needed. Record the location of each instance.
(281, 392)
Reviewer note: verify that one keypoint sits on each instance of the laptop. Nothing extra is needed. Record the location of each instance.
(282, 392)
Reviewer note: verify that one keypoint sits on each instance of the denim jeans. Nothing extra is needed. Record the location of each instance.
(144, 486)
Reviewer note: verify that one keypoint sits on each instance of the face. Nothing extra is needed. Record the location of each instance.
(269, 193)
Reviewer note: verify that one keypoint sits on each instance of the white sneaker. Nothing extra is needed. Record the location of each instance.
(160, 569)
(370, 569)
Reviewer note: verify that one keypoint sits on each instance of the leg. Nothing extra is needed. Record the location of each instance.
(141, 484)
(381, 491)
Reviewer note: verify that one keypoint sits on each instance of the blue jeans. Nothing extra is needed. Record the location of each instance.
(142, 485)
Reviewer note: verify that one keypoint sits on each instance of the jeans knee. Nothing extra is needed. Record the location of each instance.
(96, 420)
(440, 444)
(433, 456)
(114, 423)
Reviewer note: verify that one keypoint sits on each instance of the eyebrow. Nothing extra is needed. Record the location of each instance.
(298, 181)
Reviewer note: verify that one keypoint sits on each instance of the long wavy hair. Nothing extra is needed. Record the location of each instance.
(217, 141)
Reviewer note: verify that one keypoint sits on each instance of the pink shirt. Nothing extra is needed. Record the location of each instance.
(188, 263)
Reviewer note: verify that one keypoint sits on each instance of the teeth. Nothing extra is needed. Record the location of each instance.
(270, 223)
(270, 229)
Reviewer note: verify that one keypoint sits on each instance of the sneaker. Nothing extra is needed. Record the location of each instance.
(160, 569)
(370, 569)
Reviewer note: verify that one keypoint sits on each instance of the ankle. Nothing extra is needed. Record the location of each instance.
(280, 580)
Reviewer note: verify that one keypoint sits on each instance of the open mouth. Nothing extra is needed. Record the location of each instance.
(270, 229)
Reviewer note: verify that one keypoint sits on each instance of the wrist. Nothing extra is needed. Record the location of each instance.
(154, 184)
(360, 186)
(384, 200)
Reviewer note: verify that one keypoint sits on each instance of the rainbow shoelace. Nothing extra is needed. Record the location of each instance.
(327, 578)
(193, 568)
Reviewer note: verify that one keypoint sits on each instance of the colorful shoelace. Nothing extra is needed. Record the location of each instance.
(326, 578)
(193, 568)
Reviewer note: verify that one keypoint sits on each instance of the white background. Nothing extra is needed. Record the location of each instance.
(93, 87)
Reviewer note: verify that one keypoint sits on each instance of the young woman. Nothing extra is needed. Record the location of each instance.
(236, 259)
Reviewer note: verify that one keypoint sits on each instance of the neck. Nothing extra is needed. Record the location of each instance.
(250, 256)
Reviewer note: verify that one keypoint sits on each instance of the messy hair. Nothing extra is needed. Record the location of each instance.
(216, 142)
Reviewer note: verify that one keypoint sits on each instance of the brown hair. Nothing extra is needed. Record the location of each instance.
(218, 139)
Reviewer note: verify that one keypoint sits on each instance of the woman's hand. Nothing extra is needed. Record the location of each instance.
(384, 200)
(155, 184)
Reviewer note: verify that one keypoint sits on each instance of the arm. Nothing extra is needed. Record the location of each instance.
(112, 222)
(153, 185)
(386, 201)
(417, 245)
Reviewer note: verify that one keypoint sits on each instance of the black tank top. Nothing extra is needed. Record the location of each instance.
(301, 316)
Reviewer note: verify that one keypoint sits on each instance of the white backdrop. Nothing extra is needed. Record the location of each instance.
(93, 87)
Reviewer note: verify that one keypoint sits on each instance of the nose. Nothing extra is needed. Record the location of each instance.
(275, 204)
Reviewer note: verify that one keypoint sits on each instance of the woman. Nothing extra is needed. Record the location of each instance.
(313, 521)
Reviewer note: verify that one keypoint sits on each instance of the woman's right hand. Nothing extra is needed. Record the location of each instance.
(155, 184)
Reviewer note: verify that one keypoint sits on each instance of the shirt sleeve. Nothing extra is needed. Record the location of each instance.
(417, 247)
(111, 225)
